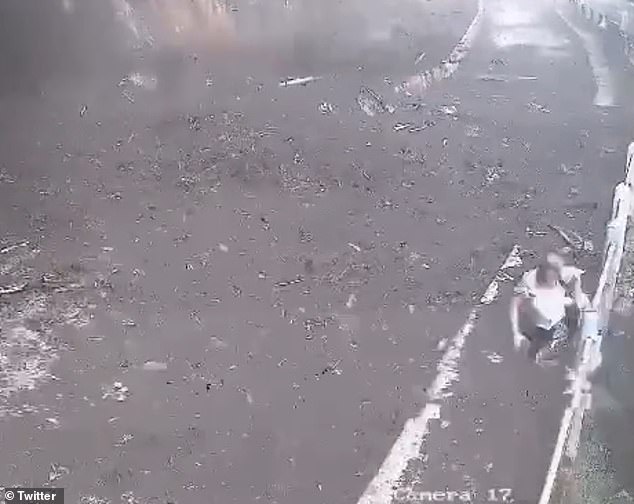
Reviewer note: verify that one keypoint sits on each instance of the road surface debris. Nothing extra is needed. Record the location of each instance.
(298, 81)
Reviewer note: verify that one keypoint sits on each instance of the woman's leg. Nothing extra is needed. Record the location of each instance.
(539, 339)
(556, 340)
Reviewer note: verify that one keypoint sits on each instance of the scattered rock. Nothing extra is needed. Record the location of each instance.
(298, 81)
(155, 366)
(538, 108)
(371, 102)
(116, 391)
(327, 108)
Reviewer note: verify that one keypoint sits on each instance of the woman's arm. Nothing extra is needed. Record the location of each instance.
(518, 337)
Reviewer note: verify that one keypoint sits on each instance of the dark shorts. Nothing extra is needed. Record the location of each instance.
(557, 332)
(549, 341)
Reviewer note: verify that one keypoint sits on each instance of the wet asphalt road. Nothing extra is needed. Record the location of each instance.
(220, 289)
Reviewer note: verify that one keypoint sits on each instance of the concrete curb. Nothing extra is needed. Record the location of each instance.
(594, 325)
(604, 22)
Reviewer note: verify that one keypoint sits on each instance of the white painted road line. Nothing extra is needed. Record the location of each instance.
(604, 96)
(551, 475)
(418, 84)
(407, 447)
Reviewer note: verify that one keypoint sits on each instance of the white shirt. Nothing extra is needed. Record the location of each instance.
(549, 302)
